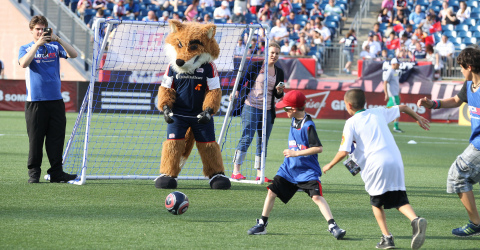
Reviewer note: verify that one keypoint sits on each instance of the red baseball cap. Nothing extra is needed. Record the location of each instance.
(294, 99)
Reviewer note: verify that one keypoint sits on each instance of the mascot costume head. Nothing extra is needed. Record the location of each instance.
(189, 96)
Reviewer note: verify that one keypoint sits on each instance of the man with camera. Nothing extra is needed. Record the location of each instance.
(44, 106)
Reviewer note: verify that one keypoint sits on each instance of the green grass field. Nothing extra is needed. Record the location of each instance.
(114, 214)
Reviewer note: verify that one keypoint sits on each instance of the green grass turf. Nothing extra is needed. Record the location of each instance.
(114, 214)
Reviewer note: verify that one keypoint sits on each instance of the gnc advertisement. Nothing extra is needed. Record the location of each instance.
(329, 104)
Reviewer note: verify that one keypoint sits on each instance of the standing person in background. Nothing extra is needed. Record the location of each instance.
(465, 171)
(191, 11)
(349, 41)
(391, 87)
(252, 111)
(44, 106)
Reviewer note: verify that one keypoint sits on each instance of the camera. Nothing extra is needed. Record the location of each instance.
(49, 33)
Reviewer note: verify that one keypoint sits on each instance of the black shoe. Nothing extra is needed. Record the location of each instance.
(63, 177)
(34, 174)
(386, 243)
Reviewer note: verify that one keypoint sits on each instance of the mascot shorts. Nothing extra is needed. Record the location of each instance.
(201, 132)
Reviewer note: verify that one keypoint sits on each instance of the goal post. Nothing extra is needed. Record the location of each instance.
(118, 133)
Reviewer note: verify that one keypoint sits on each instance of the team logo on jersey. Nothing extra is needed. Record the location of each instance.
(343, 140)
(38, 61)
(198, 87)
(474, 110)
(171, 136)
(200, 70)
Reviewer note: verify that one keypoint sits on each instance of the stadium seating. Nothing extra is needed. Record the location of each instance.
(464, 33)
(450, 33)
(423, 2)
(461, 27)
(251, 18)
(455, 40)
(469, 22)
(469, 40)
(472, 3)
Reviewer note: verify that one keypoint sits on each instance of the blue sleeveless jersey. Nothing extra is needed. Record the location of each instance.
(300, 168)
(474, 108)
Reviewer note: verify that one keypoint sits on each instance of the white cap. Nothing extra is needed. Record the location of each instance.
(394, 61)
(225, 3)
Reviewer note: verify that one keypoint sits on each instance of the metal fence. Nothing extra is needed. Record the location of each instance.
(65, 24)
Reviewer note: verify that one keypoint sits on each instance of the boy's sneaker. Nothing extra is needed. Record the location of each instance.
(265, 180)
(397, 130)
(63, 177)
(337, 232)
(468, 230)
(386, 243)
(238, 176)
(419, 226)
(259, 228)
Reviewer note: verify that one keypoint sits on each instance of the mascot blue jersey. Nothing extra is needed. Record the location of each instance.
(191, 88)
(43, 74)
(474, 108)
(300, 168)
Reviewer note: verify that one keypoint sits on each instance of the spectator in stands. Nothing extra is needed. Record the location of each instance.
(294, 51)
(433, 13)
(400, 18)
(433, 56)
(450, 17)
(444, 11)
(2, 70)
(176, 16)
(446, 50)
(388, 30)
(82, 5)
(419, 51)
(376, 46)
(207, 3)
(349, 42)
(385, 16)
(317, 11)
(285, 8)
(464, 12)
(384, 55)
(291, 18)
(376, 31)
(165, 16)
(238, 17)
(119, 10)
(407, 31)
(419, 34)
(99, 14)
(240, 5)
(207, 18)
(175, 4)
(326, 34)
(388, 4)
(404, 45)
(240, 48)
(163, 4)
(265, 11)
(132, 8)
(286, 21)
(252, 47)
(265, 21)
(366, 54)
(222, 12)
(191, 11)
(151, 16)
(285, 49)
(331, 9)
(279, 32)
(302, 45)
(402, 5)
(427, 23)
(99, 4)
(255, 5)
(303, 10)
(297, 29)
(416, 17)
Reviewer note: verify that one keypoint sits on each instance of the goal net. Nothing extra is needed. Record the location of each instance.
(119, 131)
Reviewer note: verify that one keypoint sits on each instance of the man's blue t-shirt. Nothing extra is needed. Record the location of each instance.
(43, 74)
(474, 108)
(300, 168)
(191, 88)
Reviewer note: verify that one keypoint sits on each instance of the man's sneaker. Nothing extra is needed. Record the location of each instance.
(64, 177)
(468, 230)
(397, 130)
(386, 243)
(419, 226)
(337, 232)
(238, 176)
(259, 228)
(34, 175)
(265, 180)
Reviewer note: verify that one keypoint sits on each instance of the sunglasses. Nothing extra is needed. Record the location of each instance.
(286, 109)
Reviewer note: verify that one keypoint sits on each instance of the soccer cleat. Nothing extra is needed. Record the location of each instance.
(63, 177)
(386, 243)
(397, 130)
(238, 176)
(466, 231)
(337, 232)
(265, 180)
(259, 228)
(419, 226)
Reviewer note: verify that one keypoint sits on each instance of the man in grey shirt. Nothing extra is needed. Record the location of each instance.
(391, 87)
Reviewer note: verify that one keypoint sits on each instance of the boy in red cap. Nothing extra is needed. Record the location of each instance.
(300, 169)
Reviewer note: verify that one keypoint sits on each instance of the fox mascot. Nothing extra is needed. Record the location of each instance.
(188, 96)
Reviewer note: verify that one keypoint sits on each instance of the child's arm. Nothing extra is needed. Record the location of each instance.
(452, 102)
(309, 151)
(338, 157)
(424, 123)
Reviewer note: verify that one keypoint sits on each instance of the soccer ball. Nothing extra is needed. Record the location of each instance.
(176, 203)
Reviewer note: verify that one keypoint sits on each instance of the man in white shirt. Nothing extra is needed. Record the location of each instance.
(223, 11)
(325, 32)
(446, 50)
(279, 32)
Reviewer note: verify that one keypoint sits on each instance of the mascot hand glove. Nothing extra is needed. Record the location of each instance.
(205, 116)
(167, 114)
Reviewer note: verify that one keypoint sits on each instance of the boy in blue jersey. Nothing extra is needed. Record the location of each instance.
(44, 106)
(465, 171)
(300, 169)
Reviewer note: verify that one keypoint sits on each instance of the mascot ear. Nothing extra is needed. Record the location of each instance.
(211, 30)
(175, 25)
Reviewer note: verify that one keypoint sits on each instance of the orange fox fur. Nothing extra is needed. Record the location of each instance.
(176, 152)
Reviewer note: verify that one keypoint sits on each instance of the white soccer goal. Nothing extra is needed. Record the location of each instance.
(119, 132)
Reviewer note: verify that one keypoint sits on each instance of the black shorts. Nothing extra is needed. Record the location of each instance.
(285, 190)
(390, 199)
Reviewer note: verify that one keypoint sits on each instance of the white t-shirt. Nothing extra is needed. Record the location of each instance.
(392, 77)
(382, 165)
(445, 49)
(221, 12)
